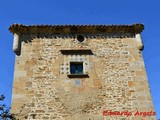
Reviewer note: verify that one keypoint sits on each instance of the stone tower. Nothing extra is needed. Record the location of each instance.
(80, 72)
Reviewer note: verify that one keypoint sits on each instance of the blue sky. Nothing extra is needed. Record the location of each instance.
(82, 12)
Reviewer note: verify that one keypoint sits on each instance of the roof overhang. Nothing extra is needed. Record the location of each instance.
(75, 29)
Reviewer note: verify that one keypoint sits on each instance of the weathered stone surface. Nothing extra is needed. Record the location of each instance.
(117, 79)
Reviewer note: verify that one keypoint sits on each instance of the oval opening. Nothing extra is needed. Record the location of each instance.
(80, 38)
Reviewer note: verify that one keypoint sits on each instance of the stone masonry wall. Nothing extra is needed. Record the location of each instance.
(117, 80)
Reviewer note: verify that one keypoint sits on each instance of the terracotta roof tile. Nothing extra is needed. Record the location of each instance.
(22, 29)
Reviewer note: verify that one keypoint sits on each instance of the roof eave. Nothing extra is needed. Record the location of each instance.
(66, 29)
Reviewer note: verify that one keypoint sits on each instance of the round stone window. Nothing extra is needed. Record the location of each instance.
(80, 38)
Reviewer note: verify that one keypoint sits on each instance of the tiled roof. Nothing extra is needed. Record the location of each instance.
(57, 29)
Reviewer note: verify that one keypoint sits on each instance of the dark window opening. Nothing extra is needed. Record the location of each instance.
(80, 38)
(76, 68)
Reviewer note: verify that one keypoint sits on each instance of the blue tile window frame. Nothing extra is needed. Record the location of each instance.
(76, 68)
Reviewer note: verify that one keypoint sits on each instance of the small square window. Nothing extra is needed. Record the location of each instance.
(76, 68)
